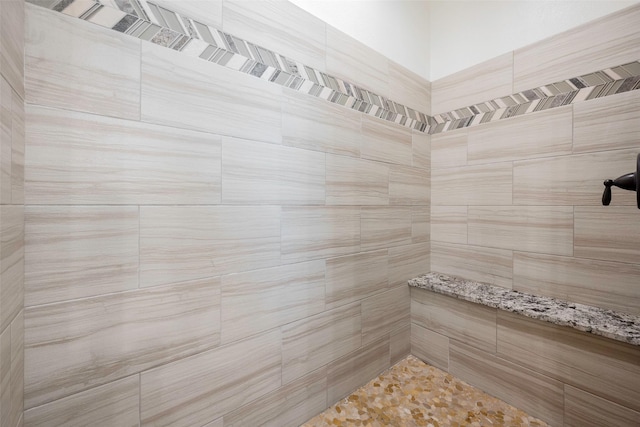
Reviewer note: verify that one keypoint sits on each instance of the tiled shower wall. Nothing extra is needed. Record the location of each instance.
(517, 203)
(203, 246)
(11, 212)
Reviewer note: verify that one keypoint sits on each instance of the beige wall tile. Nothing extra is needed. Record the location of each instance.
(356, 369)
(215, 423)
(181, 91)
(5, 376)
(79, 251)
(354, 277)
(536, 394)
(11, 262)
(407, 262)
(572, 180)
(408, 186)
(483, 82)
(351, 60)
(545, 229)
(421, 145)
(449, 149)
(607, 233)
(605, 42)
(464, 321)
(384, 227)
(399, 344)
(75, 345)
(17, 369)
(116, 403)
(385, 141)
(319, 232)
(78, 158)
(449, 224)
(12, 43)
(316, 124)
(260, 300)
(610, 285)
(385, 312)
(280, 26)
(311, 343)
(582, 409)
(60, 53)
(17, 150)
(198, 389)
(288, 406)
(214, 240)
(6, 140)
(420, 224)
(429, 346)
(409, 89)
(544, 133)
(601, 366)
(472, 185)
(356, 182)
(487, 265)
(256, 173)
(208, 12)
(607, 123)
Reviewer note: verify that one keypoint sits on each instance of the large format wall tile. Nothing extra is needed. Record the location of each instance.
(11, 262)
(605, 42)
(257, 173)
(407, 262)
(420, 224)
(449, 149)
(319, 232)
(64, 69)
(5, 376)
(180, 243)
(477, 263)
(353, 181)
(544, 133)
(399, 344)
(385, 312)
(408, 186)
(449, 224)
(75, 345)
(545, 229)
(208, 12)
(354, 277)
(17, 369)
(17, 149)
(311, 343)
(572, 180)
(530, 391)
(472, 185)
(186, 92)
(385, 142)
(429, 346)
(408, 88)
(199, 389)
(280, 26)
(116, 403)
(607, 233)
(582, 409)
(12, 29)
(351, 371)
(260, 300)
(79, 251)
(384, 227)
(598, 365)
(480, 83)
(78, 158)
(315, 124)
(607, 123)
(611, 285)
(351, 60)
(288, 406)
(6, 125)
(421, 148)
(464, 321)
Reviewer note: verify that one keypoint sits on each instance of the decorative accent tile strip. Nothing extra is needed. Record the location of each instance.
(147, 21)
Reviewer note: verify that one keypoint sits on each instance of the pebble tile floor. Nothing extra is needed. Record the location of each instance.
(412, 393)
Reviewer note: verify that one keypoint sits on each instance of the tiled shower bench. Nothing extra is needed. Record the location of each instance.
(566, 363)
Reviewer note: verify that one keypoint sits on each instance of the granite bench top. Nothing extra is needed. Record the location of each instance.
(598, 321)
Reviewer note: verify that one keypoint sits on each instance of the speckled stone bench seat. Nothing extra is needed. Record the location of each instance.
(598, 321)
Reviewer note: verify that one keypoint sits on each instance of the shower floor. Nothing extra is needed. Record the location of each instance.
(412, 393)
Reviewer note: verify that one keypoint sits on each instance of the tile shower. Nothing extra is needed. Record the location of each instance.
(229, 243)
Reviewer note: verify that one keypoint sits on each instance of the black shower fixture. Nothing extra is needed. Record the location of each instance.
(630, 181)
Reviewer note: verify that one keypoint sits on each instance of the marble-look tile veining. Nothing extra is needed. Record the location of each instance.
(598, 321)
(413, 393)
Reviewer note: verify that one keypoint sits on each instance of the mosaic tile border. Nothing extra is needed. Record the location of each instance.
(147, 21)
